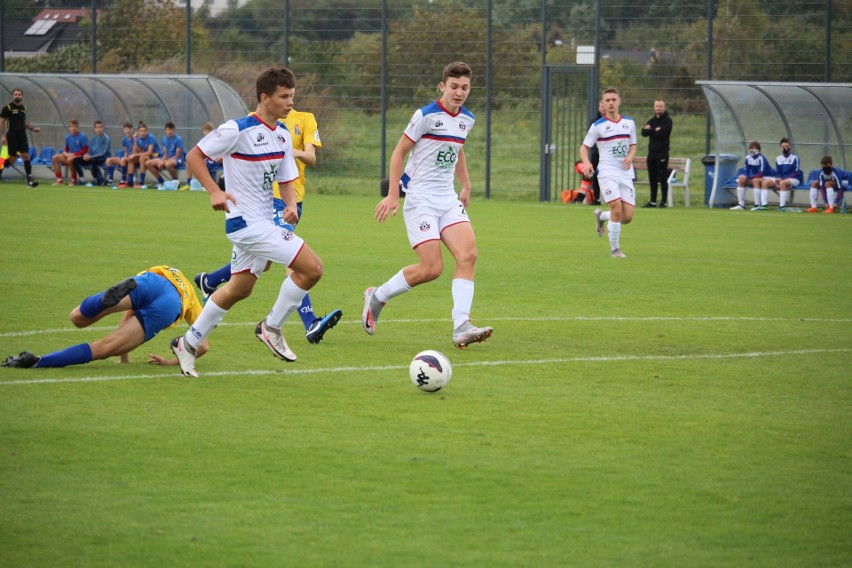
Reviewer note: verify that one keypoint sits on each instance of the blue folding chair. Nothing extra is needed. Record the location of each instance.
(45, 157)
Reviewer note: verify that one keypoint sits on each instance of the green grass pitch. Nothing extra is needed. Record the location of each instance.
(686, 406)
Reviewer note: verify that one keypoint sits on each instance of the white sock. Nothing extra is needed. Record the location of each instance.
(764, 197)
(614, 234)
(207, 321)
(782, 198)
(462, 301)
(813, 195)
(605, 215)
(831, 195)
(289, 299)
(741, 196)
(394, 287)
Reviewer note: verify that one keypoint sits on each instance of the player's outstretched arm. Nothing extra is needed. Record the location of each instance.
(155, 359)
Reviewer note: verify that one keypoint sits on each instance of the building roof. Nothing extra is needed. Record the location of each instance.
(51, 29)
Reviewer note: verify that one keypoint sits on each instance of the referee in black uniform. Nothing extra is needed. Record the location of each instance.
(15, 115)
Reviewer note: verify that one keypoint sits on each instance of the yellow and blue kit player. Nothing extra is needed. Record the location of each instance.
(153, 300)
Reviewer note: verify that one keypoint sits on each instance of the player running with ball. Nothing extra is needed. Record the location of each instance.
(433, 212)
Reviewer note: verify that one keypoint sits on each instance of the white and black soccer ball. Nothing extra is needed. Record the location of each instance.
(430, 371)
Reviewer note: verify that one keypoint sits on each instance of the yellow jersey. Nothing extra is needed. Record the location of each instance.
(190, 304)
(302, 127)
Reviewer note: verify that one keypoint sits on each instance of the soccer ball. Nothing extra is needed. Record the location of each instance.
(430, 371)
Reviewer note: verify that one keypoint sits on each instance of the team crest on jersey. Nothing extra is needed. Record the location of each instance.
(260, 137)
(281, 139)
(462, 126)
(424, 226)
(439, 124)
(287, 234)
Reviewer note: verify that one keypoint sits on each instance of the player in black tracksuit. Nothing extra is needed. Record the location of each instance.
(658, 129)
(14, 115)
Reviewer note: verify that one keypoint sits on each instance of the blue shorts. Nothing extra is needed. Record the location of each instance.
(278, 206)
(156, 303)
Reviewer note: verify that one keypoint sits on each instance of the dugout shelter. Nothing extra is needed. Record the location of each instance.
(816, 117)
(187, 100)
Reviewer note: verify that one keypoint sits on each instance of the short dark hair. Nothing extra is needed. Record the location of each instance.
(455, 70)
(97, 122)
(611, 90)
(754, 144)
(170, 124)
(269, 80)
(127, 125)
(784, 140)
(826, 160)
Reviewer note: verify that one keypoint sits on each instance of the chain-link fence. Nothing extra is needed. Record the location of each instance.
(364, 67)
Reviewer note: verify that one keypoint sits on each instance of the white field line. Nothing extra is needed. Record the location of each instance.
(295, 321)
(524, 362)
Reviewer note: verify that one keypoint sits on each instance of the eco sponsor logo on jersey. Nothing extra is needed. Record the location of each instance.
(619, 150)
(446, 158)
(269, 177)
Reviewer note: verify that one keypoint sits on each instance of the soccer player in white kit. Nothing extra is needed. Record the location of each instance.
(256, 150)
(433, 212)
(615, 136)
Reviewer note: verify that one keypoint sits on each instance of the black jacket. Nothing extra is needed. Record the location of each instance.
(659, 139)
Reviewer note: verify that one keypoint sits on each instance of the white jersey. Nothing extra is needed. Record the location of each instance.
(255, 155)
(438, 138)
(614, 140)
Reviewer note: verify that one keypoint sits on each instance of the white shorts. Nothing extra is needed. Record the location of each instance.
(260, 242)
(426, 217)
(613, 188)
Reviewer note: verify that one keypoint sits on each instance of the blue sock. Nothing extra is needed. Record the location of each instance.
(306, 312)
(76, 355)
(124, 174)
(93, 305)
(220, 276)
(142, 179)
(160, 179)
(130, 179)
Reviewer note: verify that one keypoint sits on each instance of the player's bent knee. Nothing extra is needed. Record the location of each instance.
(467, 257)
(312, 271)
(78, 319)
(431, 272)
